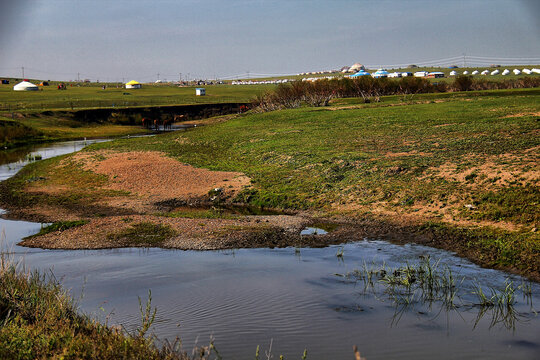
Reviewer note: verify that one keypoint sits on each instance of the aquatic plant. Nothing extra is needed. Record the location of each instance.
(428, 283)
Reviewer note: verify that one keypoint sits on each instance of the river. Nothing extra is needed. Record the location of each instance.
(286, 300)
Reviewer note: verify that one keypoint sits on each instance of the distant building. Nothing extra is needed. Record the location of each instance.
(421, 74)
(200, 91)
(25, 86)
(357, 67)
(360, 73)
(5, 82)
(380, 73)
(133, 85)
(435, 74)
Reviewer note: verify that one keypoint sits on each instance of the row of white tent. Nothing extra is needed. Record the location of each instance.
(252, 82)
(497, 72)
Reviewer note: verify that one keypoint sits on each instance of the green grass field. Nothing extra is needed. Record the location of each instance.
(315, 154)
(463, 160)
(463, 165)
(85, 97)
(39, 122)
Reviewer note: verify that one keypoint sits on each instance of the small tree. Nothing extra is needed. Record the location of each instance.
(463, 83)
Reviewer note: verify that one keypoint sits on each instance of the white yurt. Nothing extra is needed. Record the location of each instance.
(380, 74)
(133, 85)
(485, 72)
(494, 72)
(506, 72)
(25, 86)
(453, 73)
(356, 67)
(526, 71)
(475, 72)
(465, 72)
(536, 71)
(517, 71)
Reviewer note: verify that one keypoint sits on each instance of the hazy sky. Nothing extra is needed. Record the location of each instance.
(137, 39)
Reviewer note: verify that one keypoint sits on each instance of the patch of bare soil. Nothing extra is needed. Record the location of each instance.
(500, 170)
(522, 114)
(189, 234)
(153, 175)
(410, 153)
(153, 185)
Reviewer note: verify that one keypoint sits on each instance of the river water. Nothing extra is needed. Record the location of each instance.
(286, 300)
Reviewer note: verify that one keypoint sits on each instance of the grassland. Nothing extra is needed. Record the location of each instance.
(459, 167)
(28, 117)
(87, 97)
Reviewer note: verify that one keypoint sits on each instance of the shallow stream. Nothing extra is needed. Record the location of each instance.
(287, 299)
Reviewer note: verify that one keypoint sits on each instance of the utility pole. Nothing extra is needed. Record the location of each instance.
(464, 62)
(22, 72)
(158, 76)
(78, 77)
(180, 77)
(248, 74)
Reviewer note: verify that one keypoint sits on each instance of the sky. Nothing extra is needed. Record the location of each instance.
(119, 40)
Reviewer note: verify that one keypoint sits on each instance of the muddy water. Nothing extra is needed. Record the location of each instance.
(291, 298)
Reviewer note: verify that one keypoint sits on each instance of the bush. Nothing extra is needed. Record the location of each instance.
(463, 83)
(320, 92)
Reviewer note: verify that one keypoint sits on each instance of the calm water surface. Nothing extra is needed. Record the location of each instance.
(292, 299)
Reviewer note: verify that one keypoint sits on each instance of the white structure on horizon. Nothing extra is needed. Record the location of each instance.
(475, 72)
(536, 71)
(357, 67)
(453, 73)
(505, 72)
(25, 86)
(133, 85)
(465, 72)
(517, 72)
(495, 72)
(381, 73)
(485, 72)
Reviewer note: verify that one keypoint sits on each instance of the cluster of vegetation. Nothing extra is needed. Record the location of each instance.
(321, 92)
(39, 320)
(60, 226)
(145, 234)
(427, 283)
(13, 133)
